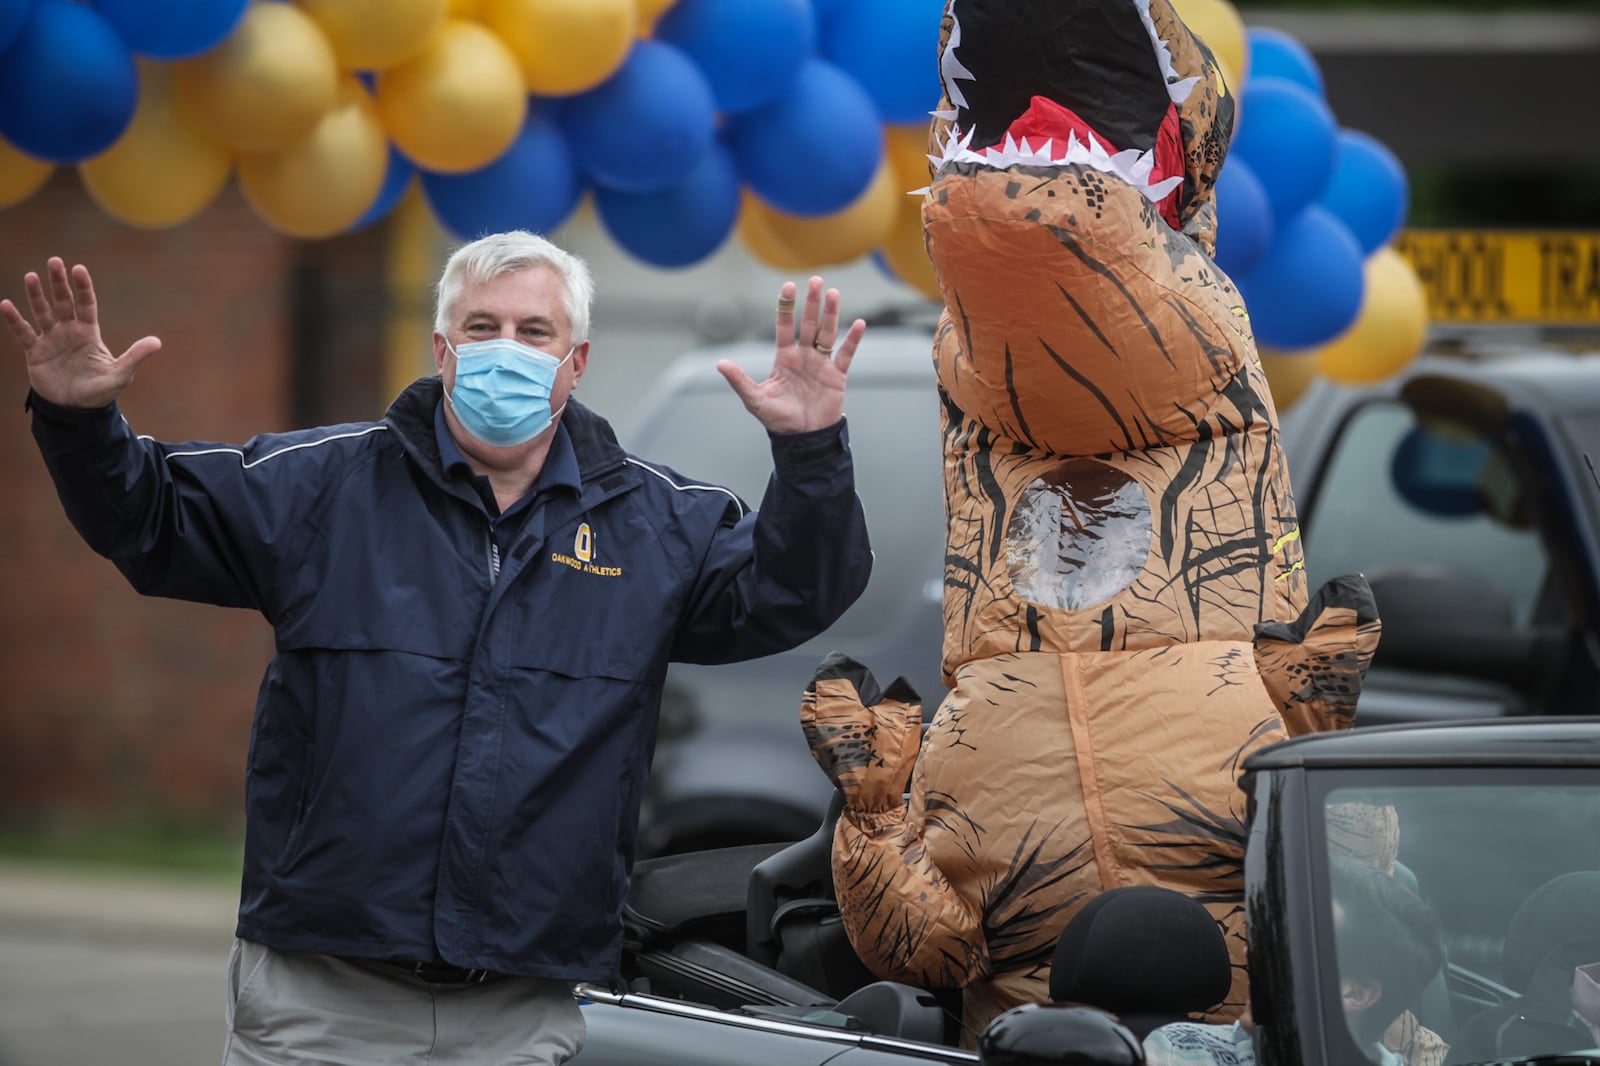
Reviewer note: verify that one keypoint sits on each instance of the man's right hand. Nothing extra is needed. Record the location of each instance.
(68, 362)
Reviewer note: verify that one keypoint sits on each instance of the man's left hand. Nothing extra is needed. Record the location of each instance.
(805, 388)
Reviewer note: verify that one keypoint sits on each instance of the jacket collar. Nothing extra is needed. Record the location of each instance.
(410, 418)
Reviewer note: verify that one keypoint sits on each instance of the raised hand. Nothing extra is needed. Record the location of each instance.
(805, 388)
(68, 362)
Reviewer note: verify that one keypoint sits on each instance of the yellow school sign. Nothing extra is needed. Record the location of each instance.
(1499, 276)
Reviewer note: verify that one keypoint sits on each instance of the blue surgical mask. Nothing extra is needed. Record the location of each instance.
(502, 390)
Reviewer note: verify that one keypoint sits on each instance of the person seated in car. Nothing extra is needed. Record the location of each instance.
(1388, 947)
(1202, 1044)
(1363, 844)
(1370, 833)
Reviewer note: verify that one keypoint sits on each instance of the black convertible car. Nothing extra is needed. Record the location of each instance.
(736, 955)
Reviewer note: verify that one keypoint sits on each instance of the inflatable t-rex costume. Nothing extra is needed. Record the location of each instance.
(1125, 602)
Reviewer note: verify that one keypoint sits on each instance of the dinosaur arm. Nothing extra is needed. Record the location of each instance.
(1314, 667)
(902, 916)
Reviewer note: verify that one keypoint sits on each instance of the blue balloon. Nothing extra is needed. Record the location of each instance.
(1307, 289)
(173, 29)
(1368, 190)
(892, 48)
(646, 126)
(823, 12)
(682, 224)
(1286, 135)
(1276, 54)
(13, 15)
(814, 151)
(535, 185)
(749, 50)
(68, 85)
(1244, 218)
(396, 180)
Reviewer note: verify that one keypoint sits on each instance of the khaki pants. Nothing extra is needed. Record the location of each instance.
(287, 1009)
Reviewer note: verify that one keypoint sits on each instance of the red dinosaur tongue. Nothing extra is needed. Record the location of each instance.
(1047, 120)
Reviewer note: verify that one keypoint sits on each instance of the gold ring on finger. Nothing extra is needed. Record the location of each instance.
(825, 349)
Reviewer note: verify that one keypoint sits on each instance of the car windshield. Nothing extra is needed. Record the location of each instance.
(894, 439)
(1464, 918)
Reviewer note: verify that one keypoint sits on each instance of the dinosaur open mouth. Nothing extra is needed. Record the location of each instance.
(1095, 87)
(1157, 173)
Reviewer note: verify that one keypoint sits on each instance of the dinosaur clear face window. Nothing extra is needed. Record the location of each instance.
(1078, 536)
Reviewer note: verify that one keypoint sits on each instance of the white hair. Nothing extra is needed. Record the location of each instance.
(504, 253)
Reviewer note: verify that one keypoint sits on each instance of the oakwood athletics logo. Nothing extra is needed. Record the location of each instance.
(582, 557)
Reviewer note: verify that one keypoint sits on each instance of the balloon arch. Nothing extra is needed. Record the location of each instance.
(793, 126)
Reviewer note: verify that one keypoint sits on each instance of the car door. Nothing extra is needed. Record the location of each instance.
(1433, 491)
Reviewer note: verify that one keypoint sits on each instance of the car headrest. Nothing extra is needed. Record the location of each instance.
(1563, 908)
(1148, 954)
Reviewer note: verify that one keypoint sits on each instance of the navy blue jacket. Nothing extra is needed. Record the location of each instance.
(445, 763)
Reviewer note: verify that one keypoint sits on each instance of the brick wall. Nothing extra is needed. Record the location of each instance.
(111, 703)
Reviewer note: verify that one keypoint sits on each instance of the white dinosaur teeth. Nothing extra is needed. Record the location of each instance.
(1131, 165)
(1162, 189)
(1178, 90)
(951, 68)
(1132, 161)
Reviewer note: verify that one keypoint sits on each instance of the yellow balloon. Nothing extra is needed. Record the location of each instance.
(161, 171)
(326, 182)
(906, 251)
(458, 104)
(376, 34)
(841, 237)
(20, 175)
(1289, 374)
(465, 9)
(564, 46)
(759, 240)
(907, 147)
(1219, 25)
(265, 86)
(1389, 331)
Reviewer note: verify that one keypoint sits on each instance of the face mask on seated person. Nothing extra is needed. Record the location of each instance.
(502, 390)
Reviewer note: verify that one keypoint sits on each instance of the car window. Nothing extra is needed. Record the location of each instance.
(1398, 495)
(1500, 872)
(894, 441)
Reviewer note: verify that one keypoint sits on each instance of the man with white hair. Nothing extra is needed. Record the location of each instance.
(474, 603)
